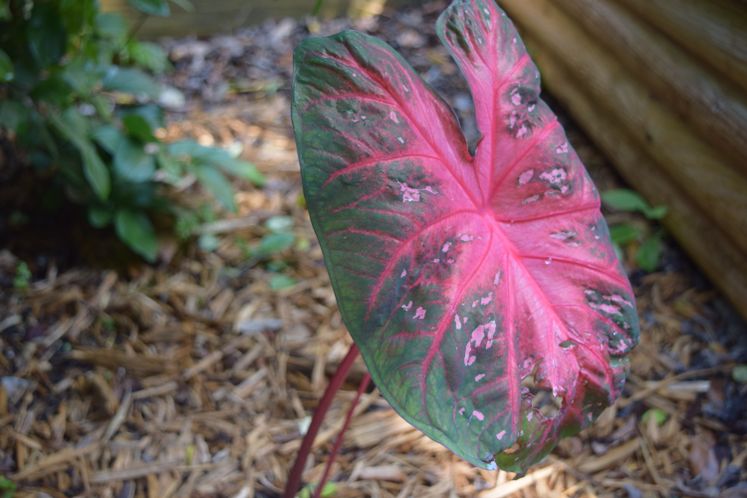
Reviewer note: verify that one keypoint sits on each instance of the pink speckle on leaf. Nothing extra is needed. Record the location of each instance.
(403, 274)
(446, 247)
(478, 335)
(393, 116)
(457, 322)
(497, 278)
(478, 415)
(490, 329)
(476, 339)
(500, 435)
(487, 299)
(555, 176)
(562, 148)
(609, 309)
(409, 194)
(618, 299)
(419, 313)
(526, 177)
(469, 358)
(479, 377)
(407, 306)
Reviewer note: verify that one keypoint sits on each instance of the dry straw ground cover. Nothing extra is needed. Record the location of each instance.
(195, 378)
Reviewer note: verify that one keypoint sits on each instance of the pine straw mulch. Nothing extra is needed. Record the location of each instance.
(196, 379)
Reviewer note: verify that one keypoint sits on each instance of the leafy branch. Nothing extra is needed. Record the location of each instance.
(80, 99)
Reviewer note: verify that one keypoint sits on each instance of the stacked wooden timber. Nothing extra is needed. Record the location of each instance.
(661, 87)
(221, 16)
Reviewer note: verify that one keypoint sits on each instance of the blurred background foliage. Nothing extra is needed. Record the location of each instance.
(81, 104)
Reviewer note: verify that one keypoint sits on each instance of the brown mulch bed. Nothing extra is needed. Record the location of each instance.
(196, 378)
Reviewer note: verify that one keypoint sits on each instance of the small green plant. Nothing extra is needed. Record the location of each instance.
(7, 487)
(22, 278)
(657, 414)
(648, 240)
(278, 238)
(79, 98)
(328, 491)
(280, 282)
(739, 374)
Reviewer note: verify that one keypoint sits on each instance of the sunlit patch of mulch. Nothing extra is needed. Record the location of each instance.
(196, 379)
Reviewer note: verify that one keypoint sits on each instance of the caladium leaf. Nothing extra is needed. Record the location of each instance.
(483, 291)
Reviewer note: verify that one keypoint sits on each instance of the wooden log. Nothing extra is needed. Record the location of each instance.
(715, 107)
(223, 16)
(715, 30)
(711, 249)
(697, 168)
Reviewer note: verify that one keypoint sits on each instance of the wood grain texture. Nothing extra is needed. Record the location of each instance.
(714, 30)
(711, 103)
(222, 16)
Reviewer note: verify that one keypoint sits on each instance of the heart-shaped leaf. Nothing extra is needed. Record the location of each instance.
(483, 291)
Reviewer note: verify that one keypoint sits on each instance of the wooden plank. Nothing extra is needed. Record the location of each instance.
(694, 166)
(222, 16)
(711, 249)
(715, 30)
(714, 106)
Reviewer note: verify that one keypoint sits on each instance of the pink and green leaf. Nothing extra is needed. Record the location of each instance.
(483, 291)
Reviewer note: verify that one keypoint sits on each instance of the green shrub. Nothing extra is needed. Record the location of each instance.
(650, 246)
(79, 98)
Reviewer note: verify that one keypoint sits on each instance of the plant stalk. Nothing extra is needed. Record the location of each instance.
(338, 442)
(296, 473)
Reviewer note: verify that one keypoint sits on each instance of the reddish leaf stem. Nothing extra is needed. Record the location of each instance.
(341, 435)
(296, 473)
